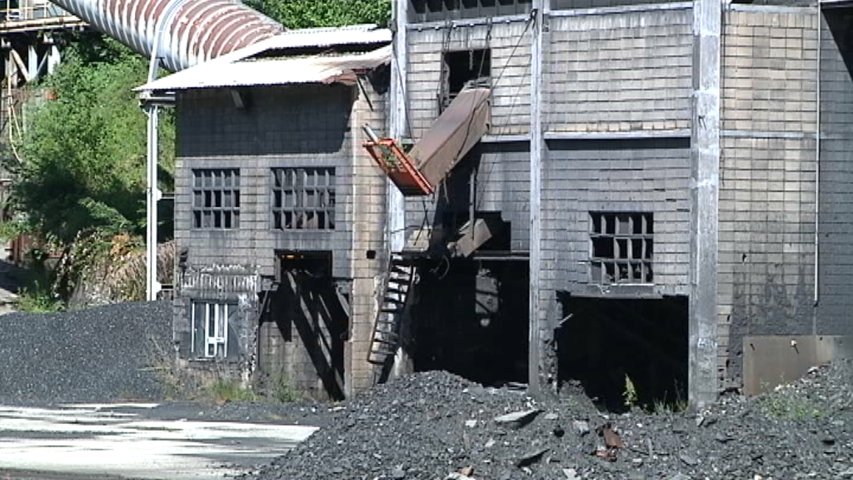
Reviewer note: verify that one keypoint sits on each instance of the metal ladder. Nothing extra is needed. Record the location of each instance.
(395, 295)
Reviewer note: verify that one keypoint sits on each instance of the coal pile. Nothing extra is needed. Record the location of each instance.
(438, 426)
(98, 355)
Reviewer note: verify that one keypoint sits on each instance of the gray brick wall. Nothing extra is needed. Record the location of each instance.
(836, 175)
(620, 72)
(621, 175)
(284, 127)
(767, 179)
(510, 72)
(297, 126)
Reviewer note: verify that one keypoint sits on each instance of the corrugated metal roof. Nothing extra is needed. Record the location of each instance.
(276, 71)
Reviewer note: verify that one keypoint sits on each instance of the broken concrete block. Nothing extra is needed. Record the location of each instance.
(518, 419)
(581, 426)
(470, 423)
(530, 458)
(571, 474)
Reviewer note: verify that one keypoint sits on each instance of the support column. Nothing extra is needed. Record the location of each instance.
(396, 208)
(32, 63)
(705, 179)
(537, 322)
(153, 194)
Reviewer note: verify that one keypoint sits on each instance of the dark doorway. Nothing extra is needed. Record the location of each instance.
(471, 319)
(625, 352)
(312, 323)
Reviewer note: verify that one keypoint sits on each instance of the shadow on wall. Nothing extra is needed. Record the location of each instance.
(306, 304)
(625, 352)
(291, 120)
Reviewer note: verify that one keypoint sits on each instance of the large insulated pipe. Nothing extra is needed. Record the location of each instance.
(189, 31)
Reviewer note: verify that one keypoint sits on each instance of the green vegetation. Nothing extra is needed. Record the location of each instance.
(222, 391)
(80, 165)
(324, 13)
(789, 405)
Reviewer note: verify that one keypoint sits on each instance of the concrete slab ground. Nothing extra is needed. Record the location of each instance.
(112, 442)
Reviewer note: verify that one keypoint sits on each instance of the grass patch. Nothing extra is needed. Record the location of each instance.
(36, 298)
(225, 391)
(789, 406)
(282, 391)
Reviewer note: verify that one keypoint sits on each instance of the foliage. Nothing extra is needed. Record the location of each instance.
(282, 391)
(324, 13)
(38, 298)
(789, 405)
(83, 152)
(222, 391)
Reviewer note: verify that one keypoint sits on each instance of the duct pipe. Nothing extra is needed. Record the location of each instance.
(189, 31)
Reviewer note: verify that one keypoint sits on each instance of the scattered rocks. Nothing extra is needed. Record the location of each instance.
(424, 422)
(518, 419)
(97, 355)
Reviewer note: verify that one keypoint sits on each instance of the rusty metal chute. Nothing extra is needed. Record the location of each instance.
(453, 134)
(183, 32)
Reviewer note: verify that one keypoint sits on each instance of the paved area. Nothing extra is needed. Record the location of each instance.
(123, 441)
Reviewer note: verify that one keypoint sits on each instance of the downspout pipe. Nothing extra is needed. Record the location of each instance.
(182, 33)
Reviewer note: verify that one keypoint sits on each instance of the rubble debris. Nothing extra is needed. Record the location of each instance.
(103, 354)
(518, 419)
(425, 431)
(581, 426)
(530, 457)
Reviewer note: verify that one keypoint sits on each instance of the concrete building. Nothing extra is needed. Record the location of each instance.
(584, 192)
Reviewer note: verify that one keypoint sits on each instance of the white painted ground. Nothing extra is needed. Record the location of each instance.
(92, 439)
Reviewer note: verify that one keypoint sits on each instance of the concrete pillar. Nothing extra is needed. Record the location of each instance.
(705, 180)
(32, 63)
(396, 234)
(53, 59)
(536, 373)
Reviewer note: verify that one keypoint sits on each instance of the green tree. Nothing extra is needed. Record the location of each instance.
(324, 13)
(83, 153)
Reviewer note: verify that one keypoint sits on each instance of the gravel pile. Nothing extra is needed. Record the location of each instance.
(438, 426)
(99, 355)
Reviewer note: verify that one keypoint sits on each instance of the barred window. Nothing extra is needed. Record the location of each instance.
(621, 247)
(216, 198)
(303, 198)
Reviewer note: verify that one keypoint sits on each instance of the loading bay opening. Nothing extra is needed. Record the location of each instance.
(471, 319)
(625, 352)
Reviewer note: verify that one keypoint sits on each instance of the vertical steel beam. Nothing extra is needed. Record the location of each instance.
(705, 180)
(153, 194)
(536, 347)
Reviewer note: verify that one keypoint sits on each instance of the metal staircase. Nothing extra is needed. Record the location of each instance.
(395, 296)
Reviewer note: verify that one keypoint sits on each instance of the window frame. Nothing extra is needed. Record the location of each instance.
(617, 235)
(222, 312)
(212, 186)
(299, 184)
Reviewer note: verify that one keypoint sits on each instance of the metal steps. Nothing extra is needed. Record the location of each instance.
(395, 295)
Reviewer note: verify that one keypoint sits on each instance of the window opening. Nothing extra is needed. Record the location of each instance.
(621, 247)
(462, 69)
(216, 198)
(303, 199)
(211, 322)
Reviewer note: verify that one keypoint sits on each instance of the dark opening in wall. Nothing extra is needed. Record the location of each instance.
(460, 69)
(471, 318)
(311, 326)
(625, 351)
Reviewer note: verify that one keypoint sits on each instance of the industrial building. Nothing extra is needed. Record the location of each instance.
(554, 193)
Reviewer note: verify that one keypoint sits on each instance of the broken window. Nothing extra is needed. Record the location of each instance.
(216, 198)
(621, 247)
(462, 69)
(211, 323)
(303, 198)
